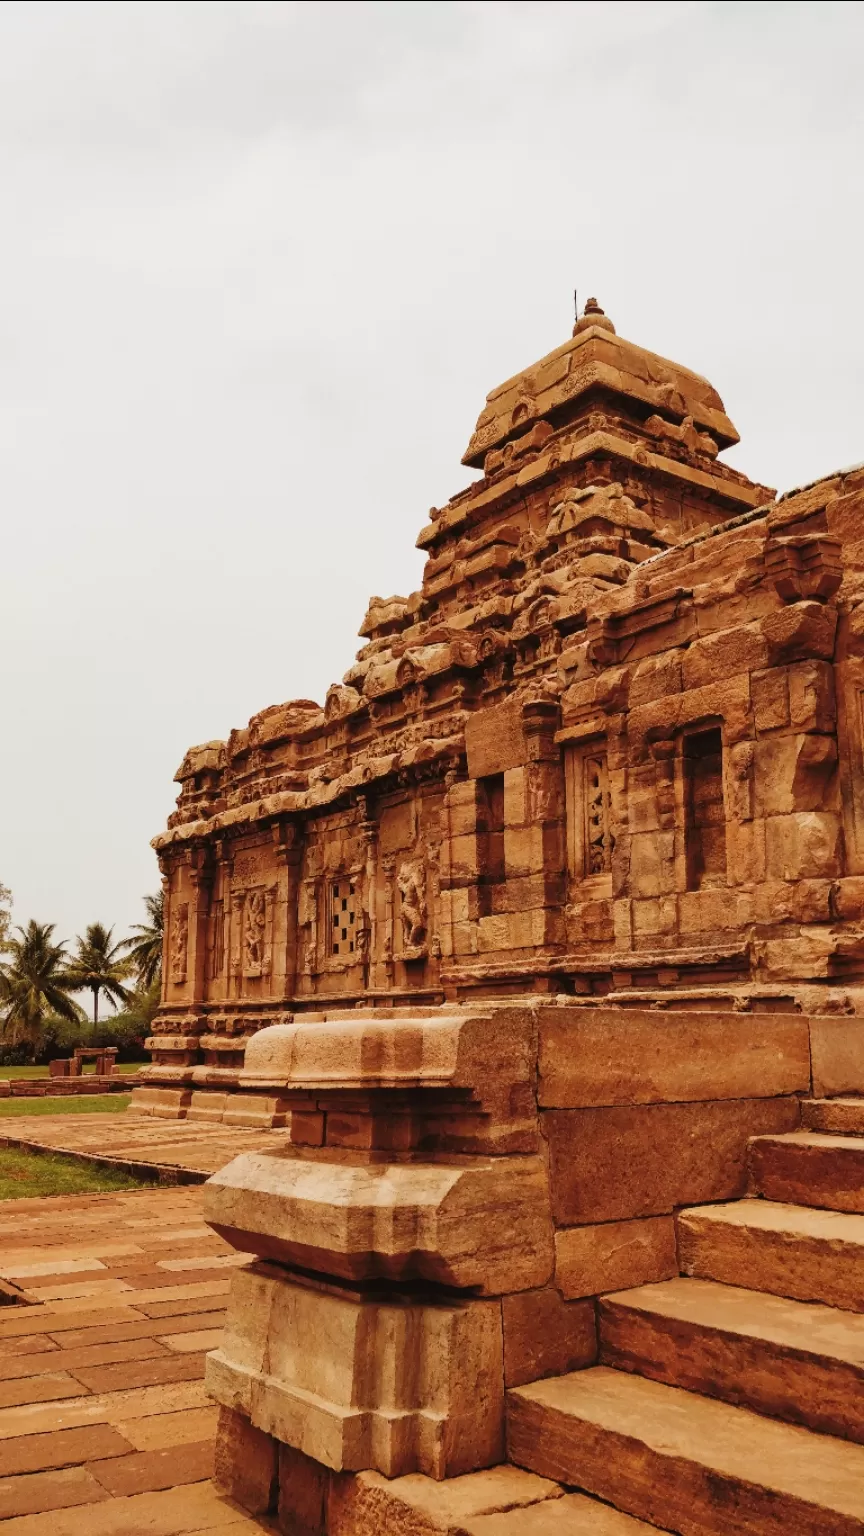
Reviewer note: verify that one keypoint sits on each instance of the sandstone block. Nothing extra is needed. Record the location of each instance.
(812, 901)
(652, 864)
(208, 1106)
(266, 1110)
(516, 797)
(613, 1255)
(495, 739)
(812, 702)
(642, 798)
(416, 1052)
(840, 1116)
(485, 1224)
(809, 955)
(519, 930)
(849, 897)
(546, 1336)
(790, 1250)
(837, 1046)
(723, 654)
(654, 919)
(684, 1462)
(246, 1463)
(526, 893)
(808, 1169)
(539, 848)
(370, 1505)
(807, 845)
(304, 1494)
(655, 677)
(745, 852)
(356, 1383)
(162, 1103)
(576, 1514)
(793, 773)
(612, 1164)
(800, 632)
(770, 691)
(465, 858)
(595, 1056)
(590, 922)
(307, 1128)
(787, 1359)
(713, 910)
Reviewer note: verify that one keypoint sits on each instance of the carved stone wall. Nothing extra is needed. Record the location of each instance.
(614, 746)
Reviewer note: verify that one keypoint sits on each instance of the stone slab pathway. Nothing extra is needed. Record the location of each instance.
(105, 1427)
(175, 1151)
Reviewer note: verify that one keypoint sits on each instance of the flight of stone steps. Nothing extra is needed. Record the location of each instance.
(730, 1401)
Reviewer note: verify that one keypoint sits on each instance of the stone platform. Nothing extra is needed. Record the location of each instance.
(169, 1152)
(105, 1426)
(67, 1087)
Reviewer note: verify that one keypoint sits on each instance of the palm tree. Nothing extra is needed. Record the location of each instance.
(97, 966)
(33, 983)
(145, 943)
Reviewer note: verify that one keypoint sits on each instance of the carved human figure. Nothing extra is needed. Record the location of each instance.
(179, 940)
(254, 933)
(411, 880)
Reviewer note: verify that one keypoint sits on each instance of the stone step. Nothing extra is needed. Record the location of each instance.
(788, 1359)
(574, 1515)
(787, 1250)
(843, 1117)
(806, 1168)
(502, 1501)
(683, 1462)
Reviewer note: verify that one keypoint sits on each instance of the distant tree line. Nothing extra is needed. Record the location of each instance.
(41, 978)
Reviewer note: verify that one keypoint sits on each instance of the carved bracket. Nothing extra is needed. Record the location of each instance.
(806, 567)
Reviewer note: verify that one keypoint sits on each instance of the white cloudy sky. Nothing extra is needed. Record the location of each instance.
(260, 263)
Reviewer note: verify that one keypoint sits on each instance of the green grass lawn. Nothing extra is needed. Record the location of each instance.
(23, 1174)
(87, 1104)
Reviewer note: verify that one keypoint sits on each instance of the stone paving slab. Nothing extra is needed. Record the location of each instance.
(105, 1427)
(167, 1151)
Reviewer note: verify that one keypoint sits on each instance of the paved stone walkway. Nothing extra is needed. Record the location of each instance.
(105, 1427)
(184, 1151)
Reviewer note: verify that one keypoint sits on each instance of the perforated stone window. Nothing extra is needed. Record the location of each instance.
(343, 917)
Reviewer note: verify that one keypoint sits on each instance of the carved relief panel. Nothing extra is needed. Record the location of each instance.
(411, 884)
(216, 941)
(589, 813)
(179, 940)
(597, 832)
(307, 922)
(257, 932)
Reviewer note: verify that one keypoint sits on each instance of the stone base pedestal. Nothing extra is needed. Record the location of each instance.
(307, 1499)
(163, 1103)
(399, 1385)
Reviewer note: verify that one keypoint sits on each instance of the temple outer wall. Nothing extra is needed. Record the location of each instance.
(685, 817)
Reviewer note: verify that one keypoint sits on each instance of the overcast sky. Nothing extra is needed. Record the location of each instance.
(260, 264)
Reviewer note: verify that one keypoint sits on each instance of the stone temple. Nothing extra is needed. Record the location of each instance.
(544, 935)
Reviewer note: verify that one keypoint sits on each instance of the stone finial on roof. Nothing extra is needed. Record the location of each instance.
(592, 314)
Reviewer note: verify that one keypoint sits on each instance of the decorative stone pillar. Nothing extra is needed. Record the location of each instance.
(388, 868)
(287, 841)
(201, 875)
